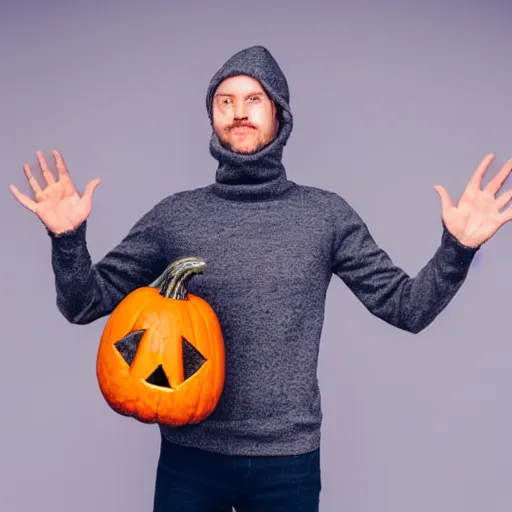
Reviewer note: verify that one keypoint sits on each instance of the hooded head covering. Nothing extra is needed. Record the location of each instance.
(261, 174)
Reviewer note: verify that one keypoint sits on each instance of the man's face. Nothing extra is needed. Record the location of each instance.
(244, 117)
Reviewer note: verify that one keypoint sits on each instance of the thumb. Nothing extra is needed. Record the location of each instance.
(446, 202)
(89, 189)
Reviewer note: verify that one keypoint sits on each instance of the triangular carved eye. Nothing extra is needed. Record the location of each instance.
(192, 359)
(127, 346)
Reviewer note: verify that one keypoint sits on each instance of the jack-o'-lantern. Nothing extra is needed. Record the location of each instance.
(161, 353)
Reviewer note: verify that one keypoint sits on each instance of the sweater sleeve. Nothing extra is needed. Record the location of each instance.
(389, 293)
(87, 291)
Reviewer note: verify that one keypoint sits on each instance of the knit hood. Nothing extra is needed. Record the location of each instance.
(261, 174)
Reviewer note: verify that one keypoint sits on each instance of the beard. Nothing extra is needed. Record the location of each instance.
(255, 142)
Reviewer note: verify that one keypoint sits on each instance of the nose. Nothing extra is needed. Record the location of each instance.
(239, 110)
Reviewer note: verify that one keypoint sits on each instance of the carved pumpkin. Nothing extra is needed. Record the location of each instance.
(161, 353)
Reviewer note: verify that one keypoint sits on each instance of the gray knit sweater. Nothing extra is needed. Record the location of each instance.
(271, 247)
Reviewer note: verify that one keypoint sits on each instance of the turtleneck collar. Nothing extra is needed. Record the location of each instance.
(255, 176)
(260, 175)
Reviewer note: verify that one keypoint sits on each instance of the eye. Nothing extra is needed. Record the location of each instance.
(192, 359)
(128, 345)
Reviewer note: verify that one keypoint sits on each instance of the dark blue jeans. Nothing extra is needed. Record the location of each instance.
(192, 480)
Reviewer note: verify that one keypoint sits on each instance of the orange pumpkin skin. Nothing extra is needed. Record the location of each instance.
(166, 326)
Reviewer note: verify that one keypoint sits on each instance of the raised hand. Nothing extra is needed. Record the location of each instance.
(479, 213)
(58, 205)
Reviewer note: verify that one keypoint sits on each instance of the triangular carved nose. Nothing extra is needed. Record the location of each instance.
(158, 378)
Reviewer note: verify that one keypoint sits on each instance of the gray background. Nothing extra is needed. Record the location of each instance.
(389, 98)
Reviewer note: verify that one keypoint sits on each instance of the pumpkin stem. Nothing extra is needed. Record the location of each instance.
(173, 279)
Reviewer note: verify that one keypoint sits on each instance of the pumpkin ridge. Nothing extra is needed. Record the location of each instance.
(150, 304)
(136, 317)
(206, 325)
(192, 315)
(216, 352)
(160, 397)
(198, 314)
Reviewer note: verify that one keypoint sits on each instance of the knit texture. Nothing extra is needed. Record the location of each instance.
(271, 248)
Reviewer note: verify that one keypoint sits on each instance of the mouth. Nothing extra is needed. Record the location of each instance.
(241, 130)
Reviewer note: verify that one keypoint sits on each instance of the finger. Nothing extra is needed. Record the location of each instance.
(503, 199)
(90, 188)
(506, 215)
(34, 185)
(476, 179)
(496, 183)
(60, 164)
(446, 202)
(23, 199)
(47, 173)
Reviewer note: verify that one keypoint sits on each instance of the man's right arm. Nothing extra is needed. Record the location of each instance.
(87, 291)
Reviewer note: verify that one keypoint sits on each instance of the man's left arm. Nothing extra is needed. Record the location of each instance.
(412, 303)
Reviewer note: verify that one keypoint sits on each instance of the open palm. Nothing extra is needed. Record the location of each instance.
(58, 205)
(479, 213)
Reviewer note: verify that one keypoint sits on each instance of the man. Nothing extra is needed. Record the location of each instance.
(272, 247)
